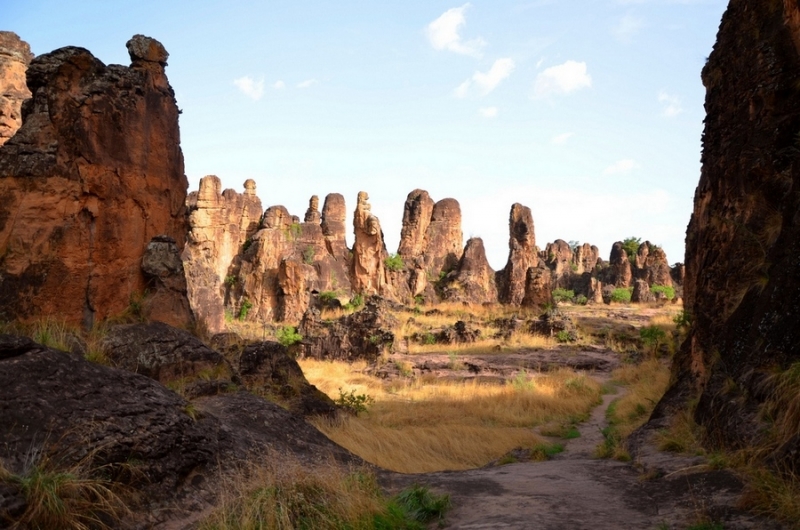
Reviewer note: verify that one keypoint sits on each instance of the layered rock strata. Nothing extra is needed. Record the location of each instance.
(94, 173)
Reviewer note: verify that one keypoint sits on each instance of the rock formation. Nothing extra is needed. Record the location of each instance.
(522, 255)
(94, 173)
(312, 214)
(742, 287)
(221, 223)
(473, 280)
(167, 300)
(585, 258)
(443, 237)
(558, 257)
(334, 216)
(619, 267)
(369, 251)
(538, 287)
(651, 265)
(15, 56)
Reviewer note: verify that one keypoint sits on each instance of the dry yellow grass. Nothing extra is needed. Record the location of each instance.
(416, 427)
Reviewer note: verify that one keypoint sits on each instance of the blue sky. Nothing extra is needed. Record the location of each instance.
(588, 111)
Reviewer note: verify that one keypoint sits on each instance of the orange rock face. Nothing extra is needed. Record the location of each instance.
(15, 56)
(369, 251)
(94, 173)
(522, 255)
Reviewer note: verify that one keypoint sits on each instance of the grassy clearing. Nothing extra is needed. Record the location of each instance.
(281, 493)
(646, 383)
(72, 498)
(414, 427)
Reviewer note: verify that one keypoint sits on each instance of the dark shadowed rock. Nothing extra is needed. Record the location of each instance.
(559, 258)
(166, 281)
(538, 287)
(618, 272)
(473, 280)
(641, 292)
(15, 56)
(459, 333)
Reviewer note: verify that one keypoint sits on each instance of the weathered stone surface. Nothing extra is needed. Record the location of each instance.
(538, 287)
(522, 255)
(94, 173)
(221, 224)
(362, 335)
(641, 292)
(651, 265)
(742, 286)
(443, 237)
(15, 56)
(553, 322)
(595, 295)
(558, 257)
(459, 333)
(417, 214)
(678, 273)
(166, 283)
(473, 280)
(267, 369)
(312, 214)
(369, 252)
(171, 356)
(619, 271)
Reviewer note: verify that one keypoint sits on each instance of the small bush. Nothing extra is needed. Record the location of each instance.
(621, 295)
(245, 308)
(682, 320)
(652, 337)
(581, 299)
(563, 295)
(429, 338)
(308, 255)
(288, 336)
(247, 244)
(230, 280)
(355, 302)
(631, 245)
(419, 299)
(394, 262)
(354, 403)
(326, 297)
(565, 336)
(669, 292)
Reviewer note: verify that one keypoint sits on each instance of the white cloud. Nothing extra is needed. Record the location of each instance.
(627, 27)
(278, 85)
(250, 87)
(562, 79)
(307, 83)
(443, 33)
(670, 104)
(488, 112)
(484, 83)
(622, 166)
(561, 139)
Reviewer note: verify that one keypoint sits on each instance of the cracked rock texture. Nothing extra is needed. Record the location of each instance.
(15, 56)
(94, 173)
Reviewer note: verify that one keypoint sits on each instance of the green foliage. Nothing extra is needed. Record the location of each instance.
(419, 505)
(295, 230)
(564, 336)
(563, 295)
(354, 403)
(326, 297)
(669, 292)
(543, 451)
(245, 308)
(574, 244)
(308, 255)
(419, 299)
(355, 302)
(429, 338)
(247, 244)
(522, 382)
(631, 245)
(683, 320)
(652, 337)
(621, 295)
(581, 299)
(230, 280)
(288, 336)
(394, 262)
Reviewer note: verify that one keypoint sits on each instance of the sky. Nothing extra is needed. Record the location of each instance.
(590, 112)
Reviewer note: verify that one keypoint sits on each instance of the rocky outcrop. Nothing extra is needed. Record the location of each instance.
(641, 292)
(651, 265)
(334, 215)
(619, 271)
(166, 283)
(363, 335)
(312, 214)
(94, 173)
(559, 259)
(585, 258)
(369, 251)
(538, 287)
(443, 237)
(473, 280)
(221, 224)
(522, 255)
(15, 56)
(742, 286)
(417, 214)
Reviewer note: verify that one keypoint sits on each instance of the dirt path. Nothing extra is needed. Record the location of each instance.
(574, 490)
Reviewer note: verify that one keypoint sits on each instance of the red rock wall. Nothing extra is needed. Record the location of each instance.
(94, 173)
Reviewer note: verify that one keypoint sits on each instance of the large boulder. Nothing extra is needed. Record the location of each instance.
(166, 282)
(651, 265)
(473, 281)
(94, 173)
(15, 56)
(742, 285)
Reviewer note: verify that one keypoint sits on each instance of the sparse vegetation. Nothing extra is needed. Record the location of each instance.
(621, 295)
(667, 291)
(355, 302)
(563, 295)
(354, 403)
(326, 297)
(244, 309)
(631, 245)
(394, 262)
(308, 255)
(288, 336)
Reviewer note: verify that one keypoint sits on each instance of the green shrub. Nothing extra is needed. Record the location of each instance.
(621, 295)
(682, 319)
(631, 245)
(355, 302)
(565, 336)
(394, 262)
(354, 403)
(247, 305)
(669, 292)
(288, 335)
(230, 280)
(247, 243)
(419, 299)
(563, 295)
(581, 299)
(308, 255)
(652, 337)
(326, 297)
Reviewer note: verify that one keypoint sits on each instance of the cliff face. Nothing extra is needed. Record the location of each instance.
(94, 173)
(742, 284)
